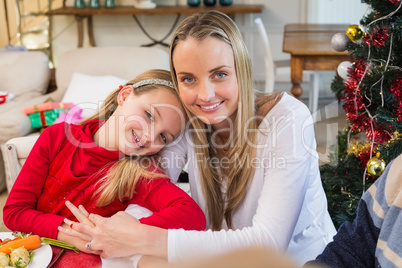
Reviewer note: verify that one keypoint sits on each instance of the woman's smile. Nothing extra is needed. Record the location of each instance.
(211, 107)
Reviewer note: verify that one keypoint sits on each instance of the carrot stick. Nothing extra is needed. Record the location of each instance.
(9, 240)
(29, 242)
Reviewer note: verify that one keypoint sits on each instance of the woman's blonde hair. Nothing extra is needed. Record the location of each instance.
(217, 25)
(121, 179)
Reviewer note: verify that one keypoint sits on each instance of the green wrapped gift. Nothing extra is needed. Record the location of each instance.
(44, 114)
(44, 118)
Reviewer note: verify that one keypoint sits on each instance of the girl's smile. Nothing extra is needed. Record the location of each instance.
(137, 141)
(148, 122)
(142, 124)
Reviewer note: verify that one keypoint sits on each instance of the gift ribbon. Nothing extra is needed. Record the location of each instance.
(42, 119)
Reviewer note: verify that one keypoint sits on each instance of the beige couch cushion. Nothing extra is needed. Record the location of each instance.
(24, 71)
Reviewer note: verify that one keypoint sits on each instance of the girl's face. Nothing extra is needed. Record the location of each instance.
(146, 123)
(207, 80)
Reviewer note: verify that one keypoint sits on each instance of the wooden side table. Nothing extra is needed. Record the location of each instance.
(310, 48)
(81, 13)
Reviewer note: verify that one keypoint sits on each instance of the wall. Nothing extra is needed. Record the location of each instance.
(3, 26)
(10, 20)
(275, 16)
(7, 30)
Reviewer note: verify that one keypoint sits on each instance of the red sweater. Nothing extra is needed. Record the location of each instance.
(61, 166)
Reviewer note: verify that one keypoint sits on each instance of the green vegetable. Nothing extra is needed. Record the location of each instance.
(49, 241)
(58, 243)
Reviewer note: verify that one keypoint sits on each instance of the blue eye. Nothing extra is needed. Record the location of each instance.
(149, 115)
(221, 74)
(187, 79)
(163, 136)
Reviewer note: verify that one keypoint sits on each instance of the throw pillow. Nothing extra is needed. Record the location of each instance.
(88, 92)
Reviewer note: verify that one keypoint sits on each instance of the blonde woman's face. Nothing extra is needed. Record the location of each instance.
(148, 122)
(207, 80)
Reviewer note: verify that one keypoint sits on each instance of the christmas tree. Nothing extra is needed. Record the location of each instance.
(370, 86)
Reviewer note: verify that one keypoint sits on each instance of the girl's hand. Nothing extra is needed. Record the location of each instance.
(115, 236)
(82, 215)
(76, 241)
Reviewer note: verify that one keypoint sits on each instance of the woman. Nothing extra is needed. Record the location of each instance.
(251, 158)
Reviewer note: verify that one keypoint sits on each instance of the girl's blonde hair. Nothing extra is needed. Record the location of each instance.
(217, 25)
(124, 174)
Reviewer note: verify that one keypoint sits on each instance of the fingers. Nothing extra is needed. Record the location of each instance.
(95, 219)
(104, 256)
(83, 210)
(76, 229)
(89, 251)
(80, 213)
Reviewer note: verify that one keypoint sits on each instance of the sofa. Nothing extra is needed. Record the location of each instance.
(24, 76)
(84, 76)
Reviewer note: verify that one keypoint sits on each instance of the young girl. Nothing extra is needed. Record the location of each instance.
(252, 164)
(106, 163)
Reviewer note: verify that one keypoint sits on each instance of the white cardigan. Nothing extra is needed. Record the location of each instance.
(285, 207)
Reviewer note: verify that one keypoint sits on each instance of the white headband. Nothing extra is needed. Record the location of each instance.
(153, 82)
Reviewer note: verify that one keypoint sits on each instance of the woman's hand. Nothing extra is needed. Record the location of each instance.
(121, 235)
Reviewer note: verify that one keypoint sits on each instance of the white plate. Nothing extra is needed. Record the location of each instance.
(42, 255)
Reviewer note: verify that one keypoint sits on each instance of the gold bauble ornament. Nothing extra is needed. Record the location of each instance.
(376, 166)
(354, 32)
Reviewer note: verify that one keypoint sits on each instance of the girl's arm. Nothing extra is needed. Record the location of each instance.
(19, 212)
(172, 207)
